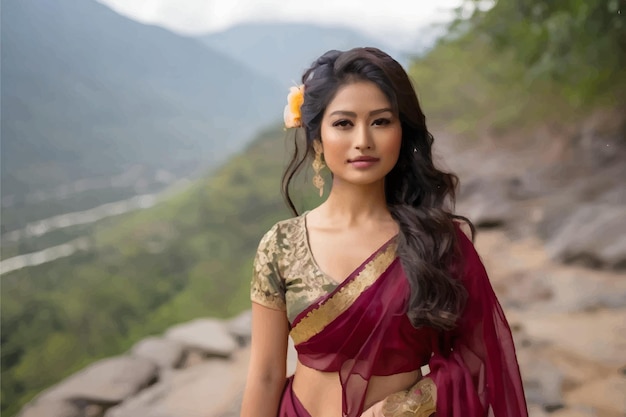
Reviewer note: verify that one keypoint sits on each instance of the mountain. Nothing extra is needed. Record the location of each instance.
(284, 50)
(88, 93)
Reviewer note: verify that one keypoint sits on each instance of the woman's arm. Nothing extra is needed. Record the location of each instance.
(268, 362)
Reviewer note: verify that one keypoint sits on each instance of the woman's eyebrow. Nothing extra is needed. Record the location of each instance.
(353, 114)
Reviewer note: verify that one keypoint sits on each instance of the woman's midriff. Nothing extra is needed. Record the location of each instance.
(320, 392)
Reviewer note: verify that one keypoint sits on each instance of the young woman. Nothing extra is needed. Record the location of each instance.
(378, 280)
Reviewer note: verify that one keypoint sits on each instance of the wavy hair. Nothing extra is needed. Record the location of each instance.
(420, 197)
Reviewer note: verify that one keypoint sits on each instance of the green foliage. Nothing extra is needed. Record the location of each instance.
(520, 63)
(186, 257)
(578, 44)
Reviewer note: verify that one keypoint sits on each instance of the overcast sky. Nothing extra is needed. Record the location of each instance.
(380, 18)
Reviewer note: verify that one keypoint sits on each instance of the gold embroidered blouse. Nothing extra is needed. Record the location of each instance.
(285, 275)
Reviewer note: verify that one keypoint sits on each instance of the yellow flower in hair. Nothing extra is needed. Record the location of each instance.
(293, 112)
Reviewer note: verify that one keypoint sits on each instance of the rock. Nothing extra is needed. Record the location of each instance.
(524, 290)
(53, 408)
(574, 412)
(536, 411)
(204, 390)
(108, 381)
(601, 138)
(595, 335)
(542, 381)
(605, 395)
(163, 352)
(576, 370)
(507, 260)
(234, 409)
(194, 357)
(138, 404)
(206, 335)
(567, 289)
(486, 202)
(594, 235)
(241, 327)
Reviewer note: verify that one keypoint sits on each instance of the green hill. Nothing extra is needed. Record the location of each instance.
(186, 257)
(515, 66)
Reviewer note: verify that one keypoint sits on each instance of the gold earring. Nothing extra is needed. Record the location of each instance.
(318, 165)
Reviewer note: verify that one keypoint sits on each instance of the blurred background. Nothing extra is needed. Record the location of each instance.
(142, 148)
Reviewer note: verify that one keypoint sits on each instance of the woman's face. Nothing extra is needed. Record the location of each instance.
(361, 135)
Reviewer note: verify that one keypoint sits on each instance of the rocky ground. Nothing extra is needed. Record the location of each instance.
(552, 234)
(569, 324)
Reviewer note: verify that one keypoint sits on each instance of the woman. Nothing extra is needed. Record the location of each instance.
(378, 280)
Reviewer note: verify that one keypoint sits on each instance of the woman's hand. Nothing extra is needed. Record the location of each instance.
(418, 401)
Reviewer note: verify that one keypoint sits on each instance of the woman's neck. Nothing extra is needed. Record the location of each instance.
(353, 204)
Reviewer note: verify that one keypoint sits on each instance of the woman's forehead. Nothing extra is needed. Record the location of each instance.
(358, 97)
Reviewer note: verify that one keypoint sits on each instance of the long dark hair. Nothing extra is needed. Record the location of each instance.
(419, 196)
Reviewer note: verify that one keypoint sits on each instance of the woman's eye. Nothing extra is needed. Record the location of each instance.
(342, 123)
(381, 122)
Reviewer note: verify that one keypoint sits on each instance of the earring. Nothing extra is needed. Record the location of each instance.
(318, 165)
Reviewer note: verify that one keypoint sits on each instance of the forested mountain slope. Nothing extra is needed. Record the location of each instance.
(186, 257)
(88, 93)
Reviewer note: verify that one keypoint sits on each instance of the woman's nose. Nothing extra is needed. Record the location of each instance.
(363, 139)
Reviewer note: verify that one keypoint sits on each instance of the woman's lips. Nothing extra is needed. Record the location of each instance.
(363, 162)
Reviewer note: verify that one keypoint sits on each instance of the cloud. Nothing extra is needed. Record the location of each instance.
(376, 17)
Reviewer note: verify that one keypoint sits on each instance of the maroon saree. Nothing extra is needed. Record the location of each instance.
(361, 329)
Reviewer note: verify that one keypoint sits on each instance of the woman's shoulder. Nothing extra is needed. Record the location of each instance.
(285, 231)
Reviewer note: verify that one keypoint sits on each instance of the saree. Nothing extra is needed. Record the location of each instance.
(360, 328)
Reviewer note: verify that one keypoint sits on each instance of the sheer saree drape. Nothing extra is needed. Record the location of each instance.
(360, 329)
(475, 367)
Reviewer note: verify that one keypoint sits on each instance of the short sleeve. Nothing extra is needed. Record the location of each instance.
(268, 287)
(475, 367)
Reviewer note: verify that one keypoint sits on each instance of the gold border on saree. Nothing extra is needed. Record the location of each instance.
(317, 319)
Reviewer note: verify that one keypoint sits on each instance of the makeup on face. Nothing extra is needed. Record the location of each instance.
(361, 135)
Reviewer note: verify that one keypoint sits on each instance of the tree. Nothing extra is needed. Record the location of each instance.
(580, 44)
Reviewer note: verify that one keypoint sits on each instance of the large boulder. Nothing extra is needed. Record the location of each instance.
(203, 390)
(593, 234)
(209, 336)
(107, 382)
(595, 335)
(53, 408)
(566, 289)
(542, 382)
(240, 327)
(487, 202)
(163, 352)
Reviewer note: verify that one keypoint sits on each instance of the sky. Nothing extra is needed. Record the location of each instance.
(384, 19)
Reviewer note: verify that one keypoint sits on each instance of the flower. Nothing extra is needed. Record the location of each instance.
(292, 113)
